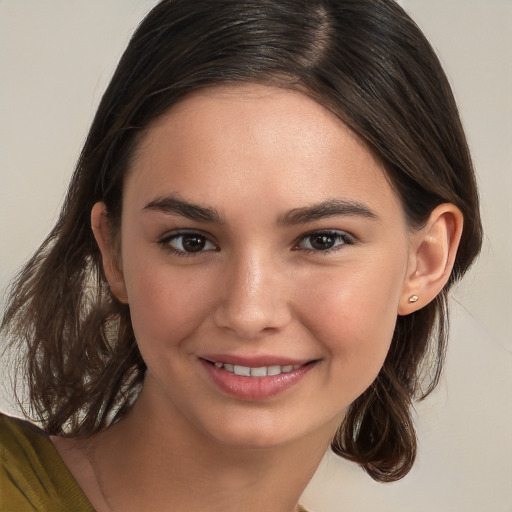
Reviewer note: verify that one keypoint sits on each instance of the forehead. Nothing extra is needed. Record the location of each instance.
(256, 141)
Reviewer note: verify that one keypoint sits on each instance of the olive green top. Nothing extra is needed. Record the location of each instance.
(33, 477)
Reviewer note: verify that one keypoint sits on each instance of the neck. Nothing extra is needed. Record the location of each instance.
(148, 461)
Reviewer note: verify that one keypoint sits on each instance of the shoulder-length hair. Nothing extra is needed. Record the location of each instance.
(367, 62)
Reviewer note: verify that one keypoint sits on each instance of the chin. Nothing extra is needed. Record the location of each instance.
(251, 437)
(266, 432)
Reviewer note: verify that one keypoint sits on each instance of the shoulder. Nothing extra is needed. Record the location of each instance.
(32, 475)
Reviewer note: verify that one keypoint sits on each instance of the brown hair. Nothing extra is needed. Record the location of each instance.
(366, 61)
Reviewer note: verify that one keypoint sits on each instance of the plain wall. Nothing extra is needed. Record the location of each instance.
(56, 57)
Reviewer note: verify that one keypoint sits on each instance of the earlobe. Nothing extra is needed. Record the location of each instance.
(433, 251)
(111, 266)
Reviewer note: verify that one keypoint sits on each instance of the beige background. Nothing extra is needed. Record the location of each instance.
(56, 57)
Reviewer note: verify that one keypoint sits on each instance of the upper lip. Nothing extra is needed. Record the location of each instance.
(254, 361)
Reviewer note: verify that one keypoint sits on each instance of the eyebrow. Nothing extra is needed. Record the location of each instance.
(172, 204)
(330, 208)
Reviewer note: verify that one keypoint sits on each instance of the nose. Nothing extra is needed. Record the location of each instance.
(254, 299)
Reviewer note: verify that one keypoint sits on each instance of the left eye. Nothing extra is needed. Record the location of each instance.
(189, 243)
(324, 241)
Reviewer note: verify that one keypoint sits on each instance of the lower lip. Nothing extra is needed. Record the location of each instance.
(254, 388)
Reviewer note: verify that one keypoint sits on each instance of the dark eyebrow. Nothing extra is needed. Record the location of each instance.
(172, 204)
(330, 208)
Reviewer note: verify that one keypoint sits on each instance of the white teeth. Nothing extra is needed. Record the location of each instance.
(259, 372)
(262, 371)
(245, 371)
(273, 370)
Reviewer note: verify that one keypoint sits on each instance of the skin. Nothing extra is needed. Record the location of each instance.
(251, 156)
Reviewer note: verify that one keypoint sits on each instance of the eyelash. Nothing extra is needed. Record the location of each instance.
(166, 243)
(338, 236)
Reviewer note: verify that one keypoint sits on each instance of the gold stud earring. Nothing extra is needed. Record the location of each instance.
(413, 298)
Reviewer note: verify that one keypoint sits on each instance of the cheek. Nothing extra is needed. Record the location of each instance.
(354, 315)
(166, 305)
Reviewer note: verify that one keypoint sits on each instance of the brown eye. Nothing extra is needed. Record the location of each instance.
(187, 243)
(324, 241)
(193, 243)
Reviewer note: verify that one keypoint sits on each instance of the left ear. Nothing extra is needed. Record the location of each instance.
(433, 251)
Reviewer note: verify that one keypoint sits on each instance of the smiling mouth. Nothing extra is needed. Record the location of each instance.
(260, 381)
(260, 371)
(270, 370)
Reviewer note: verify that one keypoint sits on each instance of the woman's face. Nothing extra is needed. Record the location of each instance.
(264, 254)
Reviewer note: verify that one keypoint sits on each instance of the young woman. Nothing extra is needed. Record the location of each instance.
(252, 263)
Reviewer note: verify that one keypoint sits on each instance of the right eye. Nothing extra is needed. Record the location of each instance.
(186, 244)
